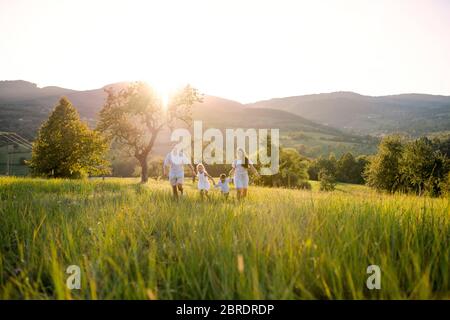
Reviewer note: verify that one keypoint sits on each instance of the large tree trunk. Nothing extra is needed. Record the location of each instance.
(144, 169)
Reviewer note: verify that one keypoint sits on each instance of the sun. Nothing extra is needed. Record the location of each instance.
(165, 88)
(162, 90)
(165, 100)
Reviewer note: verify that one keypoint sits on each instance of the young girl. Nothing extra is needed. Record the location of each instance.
(224, 185)
(203, 183)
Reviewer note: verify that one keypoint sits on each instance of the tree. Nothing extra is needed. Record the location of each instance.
(154, 168)
(346, 168)
(442, 144)
(445, 185)
(383, 170)
(417, 166)
(422, 168)
(321, 163)
(349, 169)
(327, 180)
(361, 162)
(134, 116)
(66, 147)
(292, 171)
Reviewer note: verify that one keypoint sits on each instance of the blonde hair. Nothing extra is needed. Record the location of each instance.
(201, 165)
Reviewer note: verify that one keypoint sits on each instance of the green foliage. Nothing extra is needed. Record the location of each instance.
(422, 168)
(347, 169)
(327, 164)
(416, 166)
(350, 170)
(134, 116)
(66, 147)
(383, 170)
(445, 185)
(292, 171)
(442, 143)
(327, 180)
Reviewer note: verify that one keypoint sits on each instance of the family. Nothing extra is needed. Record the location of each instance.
(176, 160)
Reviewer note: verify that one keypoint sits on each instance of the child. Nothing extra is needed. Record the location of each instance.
(203, 183)
(223, 185)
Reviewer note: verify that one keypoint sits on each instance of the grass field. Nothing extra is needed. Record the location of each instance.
(134, 242)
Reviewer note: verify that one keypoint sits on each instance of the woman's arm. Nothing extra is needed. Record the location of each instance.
(233, 168)
(231, 173)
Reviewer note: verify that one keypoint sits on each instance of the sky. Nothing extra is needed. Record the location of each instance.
(245, 50)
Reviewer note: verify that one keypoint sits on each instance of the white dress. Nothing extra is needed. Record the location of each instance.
(203, 183)
(240, 174)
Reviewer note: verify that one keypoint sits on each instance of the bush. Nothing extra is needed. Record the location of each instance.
(304, 185)
(327, 181)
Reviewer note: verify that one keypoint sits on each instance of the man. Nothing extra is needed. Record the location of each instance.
(176, 160)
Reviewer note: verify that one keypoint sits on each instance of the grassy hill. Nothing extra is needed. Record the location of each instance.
(414, 114)
(134, 242)
(24, 107)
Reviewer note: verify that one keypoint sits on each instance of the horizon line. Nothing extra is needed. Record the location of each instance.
(236, 100)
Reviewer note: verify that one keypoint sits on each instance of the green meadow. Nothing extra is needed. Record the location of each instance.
(133, 241)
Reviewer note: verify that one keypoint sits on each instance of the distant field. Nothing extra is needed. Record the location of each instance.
(135, 242)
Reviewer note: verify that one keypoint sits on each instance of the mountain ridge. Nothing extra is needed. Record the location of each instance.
(414, 114)
(314, 124)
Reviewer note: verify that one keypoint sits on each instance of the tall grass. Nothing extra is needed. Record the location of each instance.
(134, 242)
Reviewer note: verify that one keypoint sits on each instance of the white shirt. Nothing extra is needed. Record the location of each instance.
(176, 163)
(224, 186)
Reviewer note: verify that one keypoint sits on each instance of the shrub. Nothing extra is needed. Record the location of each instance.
(327, 181)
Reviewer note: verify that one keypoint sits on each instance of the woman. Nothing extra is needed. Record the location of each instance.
(240, 168)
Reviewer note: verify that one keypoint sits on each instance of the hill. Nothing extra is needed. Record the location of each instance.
(414, 114)
(24, 107)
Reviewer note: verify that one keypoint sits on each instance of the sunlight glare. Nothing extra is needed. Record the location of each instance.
(163, 89)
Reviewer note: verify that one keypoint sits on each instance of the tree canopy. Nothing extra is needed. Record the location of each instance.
(417, 166)
(133, 117)
(66, 147)
(292, 171)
